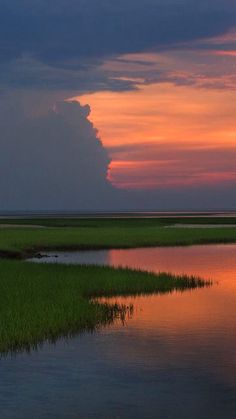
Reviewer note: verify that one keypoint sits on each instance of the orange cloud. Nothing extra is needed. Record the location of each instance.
(168, 116)
(229, 53)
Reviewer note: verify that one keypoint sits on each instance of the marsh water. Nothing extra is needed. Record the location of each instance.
(174, 358)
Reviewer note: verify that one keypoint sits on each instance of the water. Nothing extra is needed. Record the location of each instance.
(175, 358)
(111, 214)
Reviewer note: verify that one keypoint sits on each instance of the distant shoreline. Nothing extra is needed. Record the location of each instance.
(122, 214)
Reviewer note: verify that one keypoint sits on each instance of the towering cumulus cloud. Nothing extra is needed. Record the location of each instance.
(55, 161)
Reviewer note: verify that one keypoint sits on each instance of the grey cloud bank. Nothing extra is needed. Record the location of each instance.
(48, 44)
(54, 161)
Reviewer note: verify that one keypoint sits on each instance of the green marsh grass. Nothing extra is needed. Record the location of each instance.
(23, 242)
(44, 302)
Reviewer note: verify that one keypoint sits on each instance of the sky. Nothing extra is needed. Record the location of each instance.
(117, 105)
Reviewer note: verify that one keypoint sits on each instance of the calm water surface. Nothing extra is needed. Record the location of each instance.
(175, 358)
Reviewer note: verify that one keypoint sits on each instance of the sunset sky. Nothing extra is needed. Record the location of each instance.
(155, 82)
(178, 127)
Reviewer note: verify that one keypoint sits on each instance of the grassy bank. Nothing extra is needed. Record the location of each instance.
(26, 241)
(40, 302)
(44, 302)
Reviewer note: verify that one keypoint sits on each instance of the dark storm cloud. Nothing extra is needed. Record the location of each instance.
(68, 28)
(77, 34)
(52, 162)
(26, 72)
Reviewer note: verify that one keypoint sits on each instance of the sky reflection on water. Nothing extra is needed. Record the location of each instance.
(174, 358)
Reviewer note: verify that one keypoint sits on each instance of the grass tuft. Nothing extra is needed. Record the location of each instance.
(44, 302)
